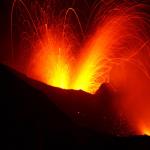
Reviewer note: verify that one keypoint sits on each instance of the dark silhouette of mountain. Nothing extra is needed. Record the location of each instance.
(39, 116)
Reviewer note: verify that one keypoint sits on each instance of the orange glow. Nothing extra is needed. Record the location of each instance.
(51, 64)
(115, 50)
(91, 68)
(147, 132)
(144, 129)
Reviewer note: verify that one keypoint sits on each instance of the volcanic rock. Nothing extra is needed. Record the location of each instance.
(39, 115)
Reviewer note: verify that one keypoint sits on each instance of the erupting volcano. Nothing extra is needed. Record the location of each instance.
(81, 46)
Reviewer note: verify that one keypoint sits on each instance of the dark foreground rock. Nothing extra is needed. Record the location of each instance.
(39, 116)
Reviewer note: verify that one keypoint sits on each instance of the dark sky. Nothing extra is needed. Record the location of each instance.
(5, 34)
(82, 7)
(5, 7)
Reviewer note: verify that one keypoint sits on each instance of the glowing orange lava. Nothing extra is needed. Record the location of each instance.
(146, 131)
(116, 51)
(53, 61)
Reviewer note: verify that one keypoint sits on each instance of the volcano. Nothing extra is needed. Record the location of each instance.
(40, 116)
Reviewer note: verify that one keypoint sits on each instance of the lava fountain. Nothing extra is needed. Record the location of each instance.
(116, 50)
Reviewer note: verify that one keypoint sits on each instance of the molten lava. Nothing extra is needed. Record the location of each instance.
(116, 51)
(53, 57)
